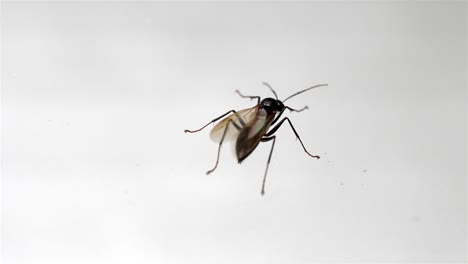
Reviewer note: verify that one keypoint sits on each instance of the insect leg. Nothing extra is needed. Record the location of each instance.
(273, 130)
(212, 121)
(247, 96)
(294, 110)
(220, 144)
(290, 109)
(277, 117)
(265, 139)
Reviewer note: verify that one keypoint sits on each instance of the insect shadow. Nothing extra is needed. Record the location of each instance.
(249, 127)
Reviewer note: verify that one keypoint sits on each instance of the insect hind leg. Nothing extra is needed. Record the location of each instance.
(266, 139)
(220, 144)
(212, 121)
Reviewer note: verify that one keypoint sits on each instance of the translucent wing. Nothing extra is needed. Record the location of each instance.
(232, 125)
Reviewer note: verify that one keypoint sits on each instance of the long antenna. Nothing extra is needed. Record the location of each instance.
(267, 85)
(315, 86)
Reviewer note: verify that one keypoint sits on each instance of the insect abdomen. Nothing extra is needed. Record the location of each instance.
(251, 134)
(243, 145)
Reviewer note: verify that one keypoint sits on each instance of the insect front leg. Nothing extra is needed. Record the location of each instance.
(247, 96)
(265, 139)
(273, 130)
(212, 121)
(220, 144)
(290, 109)
(294, 110)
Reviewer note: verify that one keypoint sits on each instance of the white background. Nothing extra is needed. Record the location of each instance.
(96, 167)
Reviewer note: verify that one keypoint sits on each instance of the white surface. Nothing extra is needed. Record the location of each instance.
(96, 167)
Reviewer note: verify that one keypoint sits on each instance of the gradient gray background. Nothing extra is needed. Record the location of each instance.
(96, 167)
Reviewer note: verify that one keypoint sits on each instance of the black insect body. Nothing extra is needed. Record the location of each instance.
(251, 126)
(253, 132)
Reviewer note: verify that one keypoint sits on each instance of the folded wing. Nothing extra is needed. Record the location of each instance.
(232, 125)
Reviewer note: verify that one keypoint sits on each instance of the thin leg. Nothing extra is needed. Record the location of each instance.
(290, 109)
(219, 148)
(247, 96)
(294, 110)
(265, 139)
(273, 130)
(212, 121)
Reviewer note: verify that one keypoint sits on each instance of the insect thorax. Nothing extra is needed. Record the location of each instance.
(271, 105)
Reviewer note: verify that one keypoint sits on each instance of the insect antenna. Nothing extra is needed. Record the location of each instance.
(267, 85)
(315, 86)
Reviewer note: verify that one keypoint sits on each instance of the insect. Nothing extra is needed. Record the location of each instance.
(249, 127)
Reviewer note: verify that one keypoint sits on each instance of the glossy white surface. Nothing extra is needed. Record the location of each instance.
(96, 167)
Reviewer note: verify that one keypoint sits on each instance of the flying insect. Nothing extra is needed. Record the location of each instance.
(249, 127)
